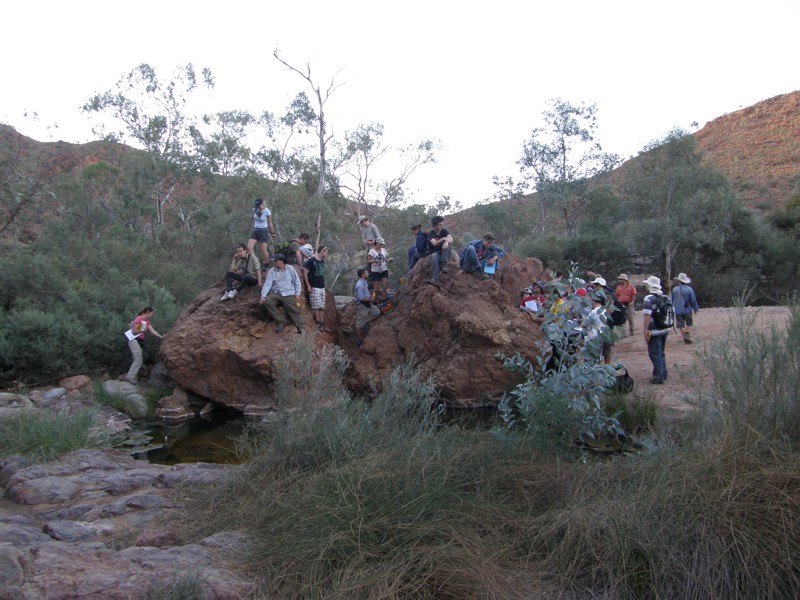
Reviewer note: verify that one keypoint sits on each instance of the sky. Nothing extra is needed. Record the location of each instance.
(476, 76)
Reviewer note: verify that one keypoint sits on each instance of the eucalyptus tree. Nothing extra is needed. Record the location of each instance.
(676, 201)
(564, 162)
(375, 175)
(153, 114)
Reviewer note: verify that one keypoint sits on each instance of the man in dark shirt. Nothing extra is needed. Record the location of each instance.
(439, 240)
(314, 276)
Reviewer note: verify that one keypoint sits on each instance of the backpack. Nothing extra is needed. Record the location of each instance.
(662, 312)
(617, 315)
(286, 250)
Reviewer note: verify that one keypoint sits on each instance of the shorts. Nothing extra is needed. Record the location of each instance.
(317, 298)
(379, 275)
(260, 235)
(682, 321)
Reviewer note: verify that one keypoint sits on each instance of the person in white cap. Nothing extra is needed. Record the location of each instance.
(685, 303)
(626, 295)
(655, 328)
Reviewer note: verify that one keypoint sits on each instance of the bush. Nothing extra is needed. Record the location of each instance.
(43, 436)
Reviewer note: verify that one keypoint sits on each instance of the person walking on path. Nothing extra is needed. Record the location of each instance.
(654, 336)
(262, 230)
(685, 303)
(139, 326)
(245, 269)
(282, 288)
(626, 295)
(314, 276)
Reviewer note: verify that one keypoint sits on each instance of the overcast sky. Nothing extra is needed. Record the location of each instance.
(477, 76)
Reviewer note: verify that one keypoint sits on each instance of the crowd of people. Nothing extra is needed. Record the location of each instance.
(593, 309)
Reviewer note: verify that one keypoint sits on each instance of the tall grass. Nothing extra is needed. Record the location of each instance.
(376, 499)
(44, 435)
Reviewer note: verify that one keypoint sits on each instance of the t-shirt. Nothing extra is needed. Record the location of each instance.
(647, 309)
(260, 218)
(316, 272)
(139, 326)
(432, 235)
(362, 290)
(291, 252)
(378, 264)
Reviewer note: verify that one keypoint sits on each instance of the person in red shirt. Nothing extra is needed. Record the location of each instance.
(626, 295)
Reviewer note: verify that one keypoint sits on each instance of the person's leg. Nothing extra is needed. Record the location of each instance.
(385, 285)
(265, 254)
(292, 311)
(631, 315)
(445, 258)
(435, 258)
(411, 254)
(664, 371)
(246, 281)
(136, 352)
(272, 304)
(655, 351)
(689, 320)
(470, 261)
(230, 278)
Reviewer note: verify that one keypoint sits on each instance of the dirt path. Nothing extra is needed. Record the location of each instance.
(683, 360)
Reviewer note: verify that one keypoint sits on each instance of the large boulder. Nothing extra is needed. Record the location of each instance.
(453, 332)
(224, 350)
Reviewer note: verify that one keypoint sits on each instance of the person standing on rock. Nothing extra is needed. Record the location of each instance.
(245, 269)
(654, 336)
(685, 303)
(139, 326)
(369, 232)
(262, 230)
(480, 254)
(314, 276)
(379, 270)
(282, 288)
(626, 295)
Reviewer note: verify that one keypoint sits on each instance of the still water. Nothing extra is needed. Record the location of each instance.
(197, 440)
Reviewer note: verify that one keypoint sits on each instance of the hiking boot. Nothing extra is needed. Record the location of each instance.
(481, 275)
(434, 282)
(301, 330)
(687, 338)
(657, 381)
(279, 327)
(444, 268)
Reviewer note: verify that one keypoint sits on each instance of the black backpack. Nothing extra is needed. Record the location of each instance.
(662, 312)
(617, 314)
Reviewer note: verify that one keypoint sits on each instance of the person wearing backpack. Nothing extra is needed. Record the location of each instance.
(658, 320)
(685, 303)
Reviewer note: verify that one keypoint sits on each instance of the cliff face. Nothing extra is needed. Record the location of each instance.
(758, 148)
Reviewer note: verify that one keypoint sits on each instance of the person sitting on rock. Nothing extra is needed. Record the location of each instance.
(420, 247)
(439, 240)
(363, 304)
(245, 269)
(480, 254)
(282, 288)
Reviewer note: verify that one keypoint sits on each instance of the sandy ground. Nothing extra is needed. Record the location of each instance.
(686, 372)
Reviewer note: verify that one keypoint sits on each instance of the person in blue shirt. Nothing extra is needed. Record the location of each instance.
(685, 304)
(478, 254)
(420, 247)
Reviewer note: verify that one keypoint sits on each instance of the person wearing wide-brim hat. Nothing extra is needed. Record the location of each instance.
(654, 337)
(685, 303)
(625, 293)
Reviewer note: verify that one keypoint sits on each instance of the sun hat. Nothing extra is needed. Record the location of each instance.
(362, 218)
(380, 241)
(623, 276)
(599, 280)
(527, 290)
(653, 284)
(684, 278)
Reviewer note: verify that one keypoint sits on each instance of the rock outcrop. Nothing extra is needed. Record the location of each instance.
(224, 350)
(452, 332)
